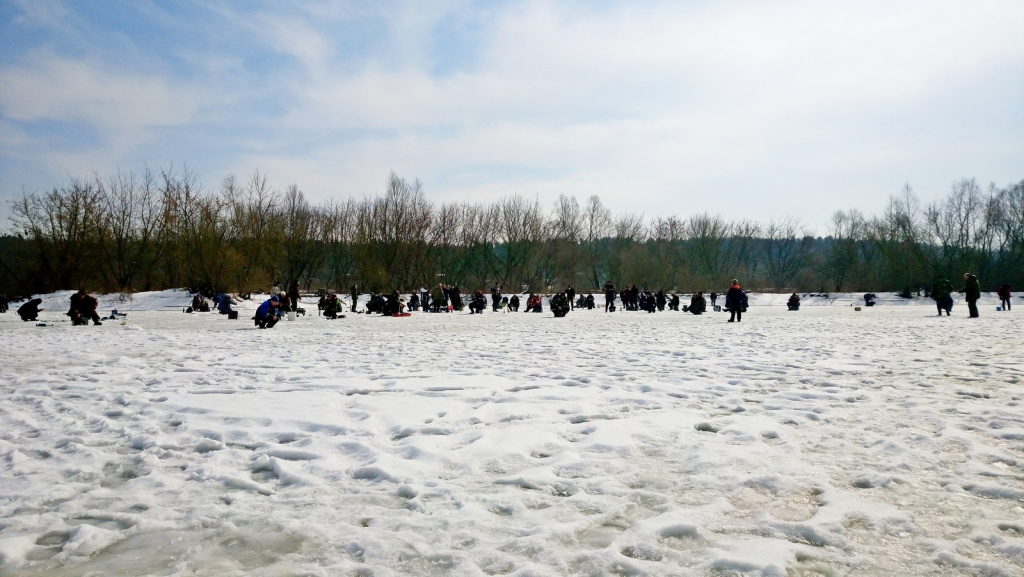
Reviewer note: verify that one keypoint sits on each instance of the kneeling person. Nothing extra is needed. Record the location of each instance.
(269, 313)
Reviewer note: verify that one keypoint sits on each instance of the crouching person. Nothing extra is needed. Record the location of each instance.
(269, 313)
(698, 304)
(560, 304)
(199, 304)
(224, 302)
(331, 306)
(30, 310)
(793, 303)
(83, 308)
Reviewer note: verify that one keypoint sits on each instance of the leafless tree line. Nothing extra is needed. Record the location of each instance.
(163, 229)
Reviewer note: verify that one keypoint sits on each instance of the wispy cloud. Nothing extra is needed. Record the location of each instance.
(799, 107)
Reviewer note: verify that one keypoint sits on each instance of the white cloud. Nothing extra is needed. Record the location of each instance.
(121, 104)
(660, 106)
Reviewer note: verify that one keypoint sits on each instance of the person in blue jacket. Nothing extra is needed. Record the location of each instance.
(224, 302)
(269, 313)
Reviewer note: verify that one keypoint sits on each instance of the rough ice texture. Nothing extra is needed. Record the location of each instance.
(825, 441)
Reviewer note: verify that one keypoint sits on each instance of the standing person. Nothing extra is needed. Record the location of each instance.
(354, 292)
(972, 292)
(268, 313)
(661, 299)
(30, 310)
(455, 294)
(1004, 295)
(942, 292)
(570, 293)
(609, 296)
(495, 297)
(735, 301)
(293, 294)
(425, 299)
(439, 300)
(83, 308)
(714, 299)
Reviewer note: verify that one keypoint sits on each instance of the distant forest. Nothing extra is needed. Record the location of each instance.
(147, 231)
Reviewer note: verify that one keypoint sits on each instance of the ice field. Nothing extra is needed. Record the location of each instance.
(827, 441)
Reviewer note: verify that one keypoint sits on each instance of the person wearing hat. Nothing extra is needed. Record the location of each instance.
(972, 292)
(269, 312)
(83, 308)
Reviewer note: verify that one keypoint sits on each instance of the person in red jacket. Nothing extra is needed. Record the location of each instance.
(1004, 295)
(735, 301)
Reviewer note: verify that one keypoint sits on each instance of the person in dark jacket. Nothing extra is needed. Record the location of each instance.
(652, 301)
(495, 297)
(83, 308)
(1004, 295)
(570, 293)
(735, 301)
(714, 299)
(609, 296)
(268, 313)
(392, 305)
(455, 297)
(331, 306)
(793, 303)
(673, 302)
(293, 294)
(30, 310)
(942, 292)
(354, 293)
(661, 299)
(199, 304)
(560, 304)
(972, 292)
(698, 304)
(477, 303)
(590, 301)
(513, 303)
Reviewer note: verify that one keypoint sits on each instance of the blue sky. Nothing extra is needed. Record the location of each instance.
(747, 109)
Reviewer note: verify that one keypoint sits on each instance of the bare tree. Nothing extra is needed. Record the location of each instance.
(63, 226)
(129, 226)
(522, 232)
(596, 231)
(847, 231)
(785, 251)
(711, 251)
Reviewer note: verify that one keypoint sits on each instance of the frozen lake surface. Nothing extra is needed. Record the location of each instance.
(820, 442)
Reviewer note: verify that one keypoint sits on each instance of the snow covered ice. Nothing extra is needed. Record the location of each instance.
(886, 441)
